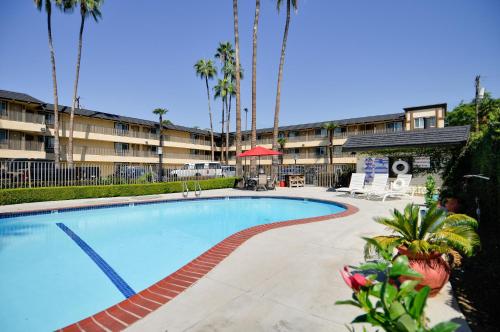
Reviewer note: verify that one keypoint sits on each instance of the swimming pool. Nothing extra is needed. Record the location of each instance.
(58, 268)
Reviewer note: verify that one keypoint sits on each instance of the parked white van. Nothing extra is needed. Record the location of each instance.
(210, 169)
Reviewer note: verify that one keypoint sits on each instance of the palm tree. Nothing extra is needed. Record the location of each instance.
(230, 75)
(87, 8)
(330, 128)
(237, 86)
(221, 91)
(289, 3)
(282, 142)
(253, 139)
(206, 69)
(453, 235)
(48, 9)
(161, 112)
(225, 53)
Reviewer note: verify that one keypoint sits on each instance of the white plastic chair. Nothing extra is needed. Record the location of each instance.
(379, 184)
(357, 183)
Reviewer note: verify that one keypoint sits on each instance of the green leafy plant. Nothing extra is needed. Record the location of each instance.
(26, 195)
(453, 234)
(430, 191)
(388, 304)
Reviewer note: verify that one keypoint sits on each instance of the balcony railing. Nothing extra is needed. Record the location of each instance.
(197, 141)
(186, 156)
(27, 117)
(20, 145)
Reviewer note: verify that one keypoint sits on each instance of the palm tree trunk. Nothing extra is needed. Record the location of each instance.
(280, 77)
(54, 85)
(75, 94)
(160, 155)
(211, 123)
(222, 131)
(253, 140)
(227, 127)
(330, 136)
(238, 101)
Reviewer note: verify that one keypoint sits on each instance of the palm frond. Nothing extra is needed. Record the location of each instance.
(375, 245)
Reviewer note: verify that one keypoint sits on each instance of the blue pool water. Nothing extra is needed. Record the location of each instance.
(58, 268)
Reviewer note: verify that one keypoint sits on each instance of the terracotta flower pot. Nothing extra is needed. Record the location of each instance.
(434, 269)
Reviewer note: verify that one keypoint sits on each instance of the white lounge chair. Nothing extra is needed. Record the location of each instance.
(400, 188)
(379, 184)
(357, 183)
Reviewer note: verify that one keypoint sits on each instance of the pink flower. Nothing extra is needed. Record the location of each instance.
(355, 281)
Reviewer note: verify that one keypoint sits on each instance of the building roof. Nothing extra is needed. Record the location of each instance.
(424, 107)
(414, 138)
(342, 122)
(22, 97)
(17, 96)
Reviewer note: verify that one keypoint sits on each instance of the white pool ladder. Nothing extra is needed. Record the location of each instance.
(185, 189)
(197, 189)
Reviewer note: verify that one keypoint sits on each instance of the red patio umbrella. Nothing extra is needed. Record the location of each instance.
(259, 151)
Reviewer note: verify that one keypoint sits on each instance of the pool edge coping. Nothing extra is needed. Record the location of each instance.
(127, 312)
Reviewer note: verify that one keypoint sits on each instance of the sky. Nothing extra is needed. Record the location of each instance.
(343, 59)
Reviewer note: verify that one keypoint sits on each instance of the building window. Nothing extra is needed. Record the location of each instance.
(49, 143)
(320, 132)
(292, 134)
(320, 151)
(292, 151)
(121, 148)
(337, 150)
(49, 118)
(121, 126)
(3, 108)
(3, 135)
(430, 122)
(281, 134)
(337, 132)
(394, 126)
(424, 123)
(419, 123)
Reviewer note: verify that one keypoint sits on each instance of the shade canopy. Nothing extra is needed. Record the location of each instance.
(259, 151)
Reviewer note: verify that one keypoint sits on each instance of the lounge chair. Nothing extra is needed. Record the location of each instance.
(379, 184)
(400, 188)
(357, 183)
(261, 182)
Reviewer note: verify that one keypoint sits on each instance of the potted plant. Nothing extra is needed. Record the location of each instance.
(432, 243)
(387, 303)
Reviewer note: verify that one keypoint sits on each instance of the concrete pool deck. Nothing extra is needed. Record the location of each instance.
(285, 279)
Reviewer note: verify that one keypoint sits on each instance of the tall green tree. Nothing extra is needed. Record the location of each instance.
(465, 113)
(161, 112)
(237, 87)
(225, 54)
(87, 8)
(47, 4)
(206, 70)
(253, 139)
(289, 4)
(330, 128)
(230, 75)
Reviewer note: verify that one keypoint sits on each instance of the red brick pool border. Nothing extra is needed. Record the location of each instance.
(121, 315)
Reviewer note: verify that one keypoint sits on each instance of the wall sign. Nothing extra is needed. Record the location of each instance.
(422, 162)
(373, 166)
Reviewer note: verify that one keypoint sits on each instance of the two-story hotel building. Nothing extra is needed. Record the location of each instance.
(27, 132)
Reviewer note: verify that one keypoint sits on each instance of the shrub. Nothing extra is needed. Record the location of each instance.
(430, 191)
(27, 195)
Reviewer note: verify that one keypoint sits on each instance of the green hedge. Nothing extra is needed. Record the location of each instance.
(27, 195)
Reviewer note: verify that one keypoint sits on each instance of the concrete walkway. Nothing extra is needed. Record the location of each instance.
(285, 279)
